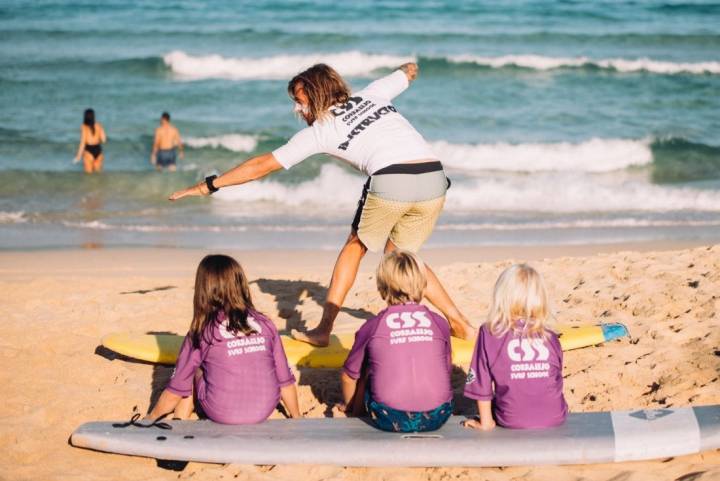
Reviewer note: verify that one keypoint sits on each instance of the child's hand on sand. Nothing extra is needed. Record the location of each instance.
(476, 424)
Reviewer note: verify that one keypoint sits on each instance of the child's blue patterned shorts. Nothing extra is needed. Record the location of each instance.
(389, 419)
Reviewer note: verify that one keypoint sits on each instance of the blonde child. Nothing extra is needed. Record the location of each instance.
(404, 354)
(232, 358)
(516, 370)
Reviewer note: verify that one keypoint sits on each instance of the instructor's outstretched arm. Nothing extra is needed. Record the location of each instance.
(252, 169)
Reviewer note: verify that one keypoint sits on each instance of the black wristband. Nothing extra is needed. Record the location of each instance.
(209, 183)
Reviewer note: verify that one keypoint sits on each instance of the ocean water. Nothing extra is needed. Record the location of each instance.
(558, 121)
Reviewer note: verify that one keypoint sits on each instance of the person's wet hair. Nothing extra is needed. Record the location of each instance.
(89, 119)
(165, 116)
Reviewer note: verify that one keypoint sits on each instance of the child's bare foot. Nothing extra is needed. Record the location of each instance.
(316, 337)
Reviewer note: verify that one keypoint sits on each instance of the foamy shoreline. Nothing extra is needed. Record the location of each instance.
(59, 303)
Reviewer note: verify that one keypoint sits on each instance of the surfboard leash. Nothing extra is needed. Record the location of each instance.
(134, 422)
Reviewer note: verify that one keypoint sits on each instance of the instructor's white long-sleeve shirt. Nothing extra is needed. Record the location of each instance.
(368, 132)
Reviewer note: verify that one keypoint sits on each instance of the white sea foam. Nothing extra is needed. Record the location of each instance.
(540, 62)
(594, 155)
(336, 190)
(14, 217)
(455, 227)
(352, 63)
(233, 142)
(333, 187)
(625, 222)
(152, 228)
(162, 228)
(564, 193)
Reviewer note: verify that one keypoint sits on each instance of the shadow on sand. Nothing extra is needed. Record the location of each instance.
(289, 295)
(160, 375)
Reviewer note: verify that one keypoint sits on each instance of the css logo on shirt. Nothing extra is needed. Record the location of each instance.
(409, 320)
(347, 107)
(529, 350)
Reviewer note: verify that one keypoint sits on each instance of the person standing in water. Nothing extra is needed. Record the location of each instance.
(92, 136)
(166, 146)
(402, 198)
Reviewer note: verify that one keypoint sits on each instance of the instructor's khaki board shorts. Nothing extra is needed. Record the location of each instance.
(401, 202)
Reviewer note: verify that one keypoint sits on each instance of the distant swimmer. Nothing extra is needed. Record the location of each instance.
(92, 136)
(166, 145)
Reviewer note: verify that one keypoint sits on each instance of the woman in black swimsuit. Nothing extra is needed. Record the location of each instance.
(92, 136)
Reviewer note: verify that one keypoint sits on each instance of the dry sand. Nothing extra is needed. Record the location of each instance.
(58, 304)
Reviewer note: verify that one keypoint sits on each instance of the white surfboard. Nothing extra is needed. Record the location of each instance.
(584, 438)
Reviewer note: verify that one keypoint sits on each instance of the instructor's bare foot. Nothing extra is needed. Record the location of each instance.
(316, 337)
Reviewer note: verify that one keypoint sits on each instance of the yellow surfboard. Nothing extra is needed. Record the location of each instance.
(164, 348)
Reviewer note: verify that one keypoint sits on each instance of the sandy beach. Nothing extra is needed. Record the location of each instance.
(581, 137)
(58, 304)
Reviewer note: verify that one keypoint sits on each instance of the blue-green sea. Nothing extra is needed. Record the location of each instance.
(558, 121)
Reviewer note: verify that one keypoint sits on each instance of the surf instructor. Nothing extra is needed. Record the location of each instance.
(402, 198)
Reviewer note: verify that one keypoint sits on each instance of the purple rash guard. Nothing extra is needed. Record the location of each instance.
(527, 374)
(242, 375)
(406, 348)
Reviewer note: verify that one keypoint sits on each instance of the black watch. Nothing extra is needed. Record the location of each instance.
(209, 182)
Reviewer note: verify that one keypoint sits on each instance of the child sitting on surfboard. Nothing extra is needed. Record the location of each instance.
(403, 353)
(516, 369)
(232, 359)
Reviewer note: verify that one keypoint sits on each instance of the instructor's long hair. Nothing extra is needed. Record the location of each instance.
(324, 88)
(220, 285)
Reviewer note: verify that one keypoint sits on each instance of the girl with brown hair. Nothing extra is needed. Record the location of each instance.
(404, 193)
(232, 359)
